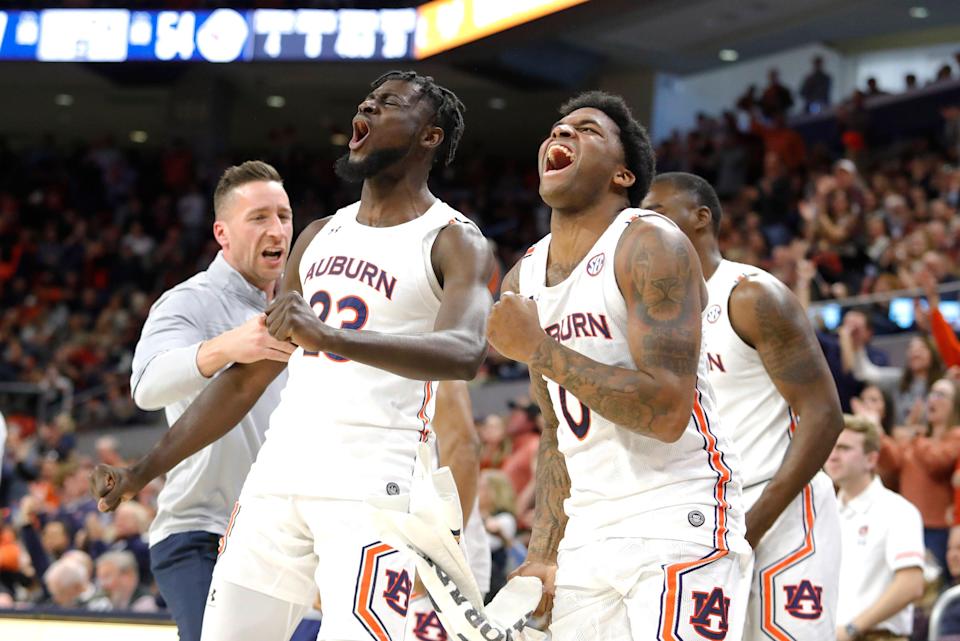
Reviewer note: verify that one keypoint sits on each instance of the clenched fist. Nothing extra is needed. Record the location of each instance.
(514, 327)
(289, 318)
(111, 485)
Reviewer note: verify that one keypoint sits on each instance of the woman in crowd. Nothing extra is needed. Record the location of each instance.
(908, 385)
(922, 457)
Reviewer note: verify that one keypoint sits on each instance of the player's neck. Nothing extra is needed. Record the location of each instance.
(386, 201)
(710, 258)
(573, 233)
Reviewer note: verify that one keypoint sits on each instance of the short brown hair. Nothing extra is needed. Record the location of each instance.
(870, 430)
(233, 177)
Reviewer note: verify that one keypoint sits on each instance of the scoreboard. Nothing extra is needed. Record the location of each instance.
(221, 35)
(230, 35)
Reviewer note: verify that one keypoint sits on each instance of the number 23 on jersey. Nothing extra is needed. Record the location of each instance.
(346, 305)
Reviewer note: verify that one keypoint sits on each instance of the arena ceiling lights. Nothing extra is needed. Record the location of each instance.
(445, 24)
(229, 35)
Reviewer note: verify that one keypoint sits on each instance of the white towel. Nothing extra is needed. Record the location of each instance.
(427, 522)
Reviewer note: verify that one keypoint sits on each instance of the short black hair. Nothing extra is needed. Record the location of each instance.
(702, 193)
(637, 151)
(448, 109)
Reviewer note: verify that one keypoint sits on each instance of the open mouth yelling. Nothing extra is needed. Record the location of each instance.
(558, 158)
(273, 254)
(361, 129)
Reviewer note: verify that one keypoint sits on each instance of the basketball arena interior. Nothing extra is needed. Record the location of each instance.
(829, 131)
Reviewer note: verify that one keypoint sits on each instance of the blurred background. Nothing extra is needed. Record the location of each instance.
(830, 129)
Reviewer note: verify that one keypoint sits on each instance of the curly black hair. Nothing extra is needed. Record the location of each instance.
(448, 109)
(702, 193)
(637, 150)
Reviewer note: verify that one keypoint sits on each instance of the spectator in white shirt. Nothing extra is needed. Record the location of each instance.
(881, 542)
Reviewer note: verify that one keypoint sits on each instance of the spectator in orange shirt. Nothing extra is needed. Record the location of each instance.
(922, 458)
(947, 343)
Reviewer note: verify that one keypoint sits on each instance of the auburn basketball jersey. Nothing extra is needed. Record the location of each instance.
(759, 419)
(344, 429)
(624, 484)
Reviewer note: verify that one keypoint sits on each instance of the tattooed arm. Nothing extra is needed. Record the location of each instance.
(552, 485)
(553, 482)
(662, 286)
(769, 317)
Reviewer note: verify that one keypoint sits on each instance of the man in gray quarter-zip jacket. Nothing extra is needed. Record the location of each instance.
(194, 331)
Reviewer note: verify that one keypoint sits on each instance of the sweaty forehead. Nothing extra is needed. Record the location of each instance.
(586, 114)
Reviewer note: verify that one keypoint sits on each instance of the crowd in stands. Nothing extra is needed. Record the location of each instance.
(91, 235)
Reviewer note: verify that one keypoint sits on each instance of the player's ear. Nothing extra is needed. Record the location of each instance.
(624, 178)
(432, 137)
(704, 217)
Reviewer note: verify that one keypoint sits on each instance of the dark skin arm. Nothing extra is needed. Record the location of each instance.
(552, 486)
(662, 286)
(454, 349)
(770, 318)
(217, 410)
(457, 440)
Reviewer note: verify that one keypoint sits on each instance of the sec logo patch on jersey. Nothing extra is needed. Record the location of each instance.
(713, 313)
(595, 264)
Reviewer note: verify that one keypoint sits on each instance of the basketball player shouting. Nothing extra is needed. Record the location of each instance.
(636, 484)
(412, 273)
(775, 392)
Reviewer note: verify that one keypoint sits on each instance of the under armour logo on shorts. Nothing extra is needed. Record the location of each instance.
(696, 518)
(393, 489)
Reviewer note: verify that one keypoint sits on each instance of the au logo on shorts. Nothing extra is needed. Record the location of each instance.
(803, 600)
(393, 489)
(713, 313)
(710, 614)
(397, 594)
(381, 597)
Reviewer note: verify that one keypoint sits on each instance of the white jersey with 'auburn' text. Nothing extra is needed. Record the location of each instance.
(624, 484)
(344, 429)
